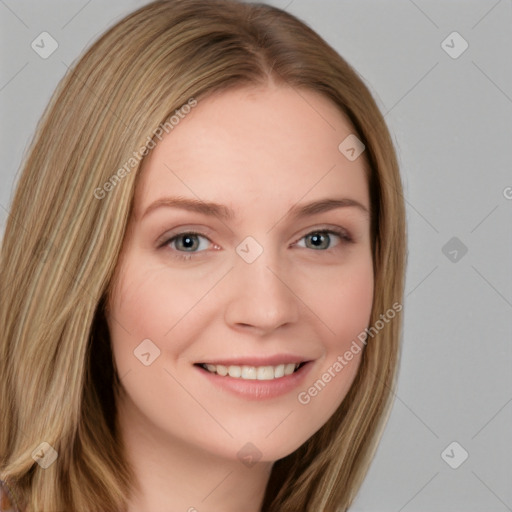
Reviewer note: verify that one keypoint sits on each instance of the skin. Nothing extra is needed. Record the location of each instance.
(259, 151)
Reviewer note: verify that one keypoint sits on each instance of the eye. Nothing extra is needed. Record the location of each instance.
(186, 242)
(321, 239)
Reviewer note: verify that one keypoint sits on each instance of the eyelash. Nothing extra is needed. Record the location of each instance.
(181, 255)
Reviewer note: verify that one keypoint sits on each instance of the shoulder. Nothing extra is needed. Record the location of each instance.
(7, 503)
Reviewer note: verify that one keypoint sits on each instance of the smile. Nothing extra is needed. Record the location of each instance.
(256, 378)
(253, 372)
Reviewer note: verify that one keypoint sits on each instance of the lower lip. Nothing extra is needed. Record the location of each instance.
(258, 389)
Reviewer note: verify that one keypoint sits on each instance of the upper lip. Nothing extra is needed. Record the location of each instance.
(274, 360)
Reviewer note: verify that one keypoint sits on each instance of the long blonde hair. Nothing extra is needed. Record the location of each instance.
(57, 376)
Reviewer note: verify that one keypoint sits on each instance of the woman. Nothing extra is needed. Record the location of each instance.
(202, 273)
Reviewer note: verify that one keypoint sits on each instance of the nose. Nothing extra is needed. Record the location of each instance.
(261, 297)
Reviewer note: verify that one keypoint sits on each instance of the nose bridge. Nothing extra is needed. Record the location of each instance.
(260, 296)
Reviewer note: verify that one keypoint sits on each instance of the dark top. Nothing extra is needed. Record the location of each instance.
(7, 501)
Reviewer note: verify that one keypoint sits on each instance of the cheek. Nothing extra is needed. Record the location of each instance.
(142, 308)
(344, 306)
(148, 302)
(342, 299)
(349, 306)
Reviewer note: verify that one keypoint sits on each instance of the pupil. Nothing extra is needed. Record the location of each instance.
(188, 242)
(317, 239)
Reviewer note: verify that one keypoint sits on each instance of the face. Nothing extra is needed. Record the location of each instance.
(252, 286)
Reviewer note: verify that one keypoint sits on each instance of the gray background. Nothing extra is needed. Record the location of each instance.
(451, 119)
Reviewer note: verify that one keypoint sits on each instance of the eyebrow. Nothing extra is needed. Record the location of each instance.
(223, 212)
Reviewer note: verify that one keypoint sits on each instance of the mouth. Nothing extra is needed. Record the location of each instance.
(254, 373)
(257, 378)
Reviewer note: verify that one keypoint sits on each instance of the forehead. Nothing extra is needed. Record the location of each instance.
(249, 146)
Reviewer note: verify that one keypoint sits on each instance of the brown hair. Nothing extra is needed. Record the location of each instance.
(61, 246)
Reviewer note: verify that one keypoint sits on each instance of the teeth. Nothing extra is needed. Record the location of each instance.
(235, 371)
(253, 372)
(279, 371)
(290, 368)
(249, 372)
(265, 373)
(222, 370)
